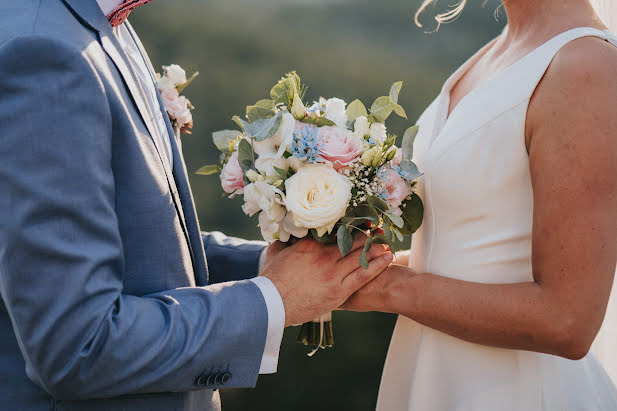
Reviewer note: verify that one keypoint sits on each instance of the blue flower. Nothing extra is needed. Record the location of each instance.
(306, 144)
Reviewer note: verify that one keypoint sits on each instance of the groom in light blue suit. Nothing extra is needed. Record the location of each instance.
(107, 299)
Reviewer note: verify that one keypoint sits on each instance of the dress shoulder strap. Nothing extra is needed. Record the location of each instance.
(541, 58)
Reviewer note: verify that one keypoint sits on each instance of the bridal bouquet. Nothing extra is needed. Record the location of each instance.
(326, 170)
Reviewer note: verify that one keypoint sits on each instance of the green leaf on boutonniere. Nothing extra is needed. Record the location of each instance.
(222, 138)
(355, 109)
(413, 214)
(344, 239)
(263, 128)
(208, 170)
(318, 121)
(183, 86)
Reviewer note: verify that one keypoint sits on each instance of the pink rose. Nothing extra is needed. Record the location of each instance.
(232, 176)
(396, 189)
(339, 146)
(177, 107)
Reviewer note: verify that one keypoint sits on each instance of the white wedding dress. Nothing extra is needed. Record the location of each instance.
(478, 202)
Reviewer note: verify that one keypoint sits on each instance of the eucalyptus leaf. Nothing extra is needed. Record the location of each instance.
(255, 113)
(413, 214)
(408, 170)
(318, 121)
(381, 239)
(382, 108)
(399, 110)
(284, 174)
(398, 234)
(263, 128)
(395, 90)
(408, 139)
(245, 156)
(325, 239)
(344, 239)
(222, 138)
(239, 121)
(355, 109)
(208, 170)
(372, 219)
(378, 204)
(396, 220)
(363, 258)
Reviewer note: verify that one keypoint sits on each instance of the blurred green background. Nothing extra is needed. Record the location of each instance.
(344, 48)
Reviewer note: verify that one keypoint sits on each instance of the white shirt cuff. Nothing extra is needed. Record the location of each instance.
(276, 324)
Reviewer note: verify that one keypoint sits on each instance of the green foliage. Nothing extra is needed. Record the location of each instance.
(413, 213)
(355, 109)
(344, 238)
(261, 109)
(385, 105)
(208, 170)
(318, 121)
(222, 138)
(262, 128)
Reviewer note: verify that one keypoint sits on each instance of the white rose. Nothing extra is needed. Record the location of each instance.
(261, 196)
(378, 133)
(269, 228)
(362, 127)
(318, 197)
(175, 74)
(289, 228)
(335, 111)
(276, 145)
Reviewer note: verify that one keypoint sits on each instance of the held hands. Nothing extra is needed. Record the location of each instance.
(313, 279)
(381, 294)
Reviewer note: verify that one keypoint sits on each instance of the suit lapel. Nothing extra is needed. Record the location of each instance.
(90, 14)
(188, 205)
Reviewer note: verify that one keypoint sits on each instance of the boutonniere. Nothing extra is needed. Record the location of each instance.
(178, 108)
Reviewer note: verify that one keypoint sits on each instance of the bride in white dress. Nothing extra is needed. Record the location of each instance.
(510, 275)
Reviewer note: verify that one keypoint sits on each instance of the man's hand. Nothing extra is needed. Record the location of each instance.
(381, 293)
(313, 279)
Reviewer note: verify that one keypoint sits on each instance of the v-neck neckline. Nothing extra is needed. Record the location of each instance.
(444, 114)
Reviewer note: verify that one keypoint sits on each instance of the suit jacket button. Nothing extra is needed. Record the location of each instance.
(210, 381)
(226, 378)
(201, 381)
(218, 378)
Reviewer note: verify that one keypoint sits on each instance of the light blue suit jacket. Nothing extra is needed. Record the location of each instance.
(103, 275)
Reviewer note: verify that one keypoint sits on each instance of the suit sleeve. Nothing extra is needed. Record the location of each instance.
(61, 254)
(231, 259)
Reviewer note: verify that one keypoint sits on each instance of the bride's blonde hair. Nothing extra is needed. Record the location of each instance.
(443, 17)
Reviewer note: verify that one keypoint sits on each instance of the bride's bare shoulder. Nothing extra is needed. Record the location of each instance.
(580, 87)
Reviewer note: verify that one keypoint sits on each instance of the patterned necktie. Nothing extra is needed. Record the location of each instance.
(120, 13)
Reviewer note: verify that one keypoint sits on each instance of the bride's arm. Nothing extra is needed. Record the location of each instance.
(573, 162)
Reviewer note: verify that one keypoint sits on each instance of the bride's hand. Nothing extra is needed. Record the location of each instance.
(378, 294)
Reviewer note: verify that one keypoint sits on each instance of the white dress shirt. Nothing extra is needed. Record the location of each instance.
(274, 302)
